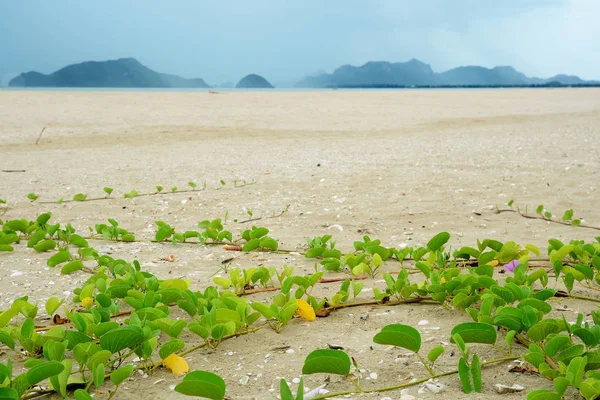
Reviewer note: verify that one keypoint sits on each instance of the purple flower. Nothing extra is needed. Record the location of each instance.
(512, 265)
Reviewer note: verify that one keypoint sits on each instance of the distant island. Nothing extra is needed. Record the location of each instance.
(414, 73)
(130, 73)
(253, 81)
(121, 73)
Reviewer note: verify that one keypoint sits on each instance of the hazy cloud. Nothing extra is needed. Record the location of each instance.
(283, 40)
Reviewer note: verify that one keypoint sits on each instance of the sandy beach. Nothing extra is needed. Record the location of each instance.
(398, 165)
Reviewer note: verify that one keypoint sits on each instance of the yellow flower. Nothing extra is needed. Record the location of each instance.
(86, 301)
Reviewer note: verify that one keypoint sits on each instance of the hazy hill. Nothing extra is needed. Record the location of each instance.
(121, 73)
(481, 76)
(417, 73)
(253, 81)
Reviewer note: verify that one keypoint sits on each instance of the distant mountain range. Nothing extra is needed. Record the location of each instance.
(130, 73)
(417, 73)
(121, 73)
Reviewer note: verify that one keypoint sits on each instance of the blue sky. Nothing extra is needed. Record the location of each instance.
(223, 40)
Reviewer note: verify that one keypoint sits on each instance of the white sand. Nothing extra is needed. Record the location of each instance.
(398, 165)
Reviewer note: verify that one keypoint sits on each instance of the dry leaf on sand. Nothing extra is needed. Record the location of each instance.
(305, 310)
(176, 364)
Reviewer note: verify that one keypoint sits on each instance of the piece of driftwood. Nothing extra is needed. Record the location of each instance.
(40, 135)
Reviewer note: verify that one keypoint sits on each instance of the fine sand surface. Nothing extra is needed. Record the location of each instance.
(400, 166)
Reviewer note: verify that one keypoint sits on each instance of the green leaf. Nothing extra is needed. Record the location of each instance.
(74, 338)
(202, 384)
(568, 215)
(575, 371)
(545, 370)
(59, 258)
(81, 394)
(434, 353)
(542, 329)
(6, 247)
(557, 343)
(119, 339)
(163, 233)
(20, 383)
(258, 233)
(99, 357)
(403, 336)
(327, 361)
(32, 362)
(60, 381)
(54, 351)
(52, 305)
(170, 347)
(544, 294)
(218, 331)
(536, 304)
(543, 395)
(462, 300)
(300, 393)
(44, 371)
(476, 374)
(509, 251)
(475, 332)
(269, 243)
(223, 282)
(98, 375)
(264, 309)
(540, 274)
(79, 197)
(34, 239)
(119, 375)
(73, 266)
(464, 375)
(590, 388)
(251, 245)
(150, 313)
(570, 353)
(438, 241)
(510, 336)
(284, 391)
(587, 337)
(539, 209)
(104, 327)
(486, 306)
(7, 340)
(424, 268)
(10, 394)
(78, 241)
(533, 249)
(45, 245)
(561, 253)
(128, 237)
(288, 311)
(27, 328)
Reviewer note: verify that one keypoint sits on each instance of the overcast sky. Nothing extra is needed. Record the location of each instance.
(223, 40)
